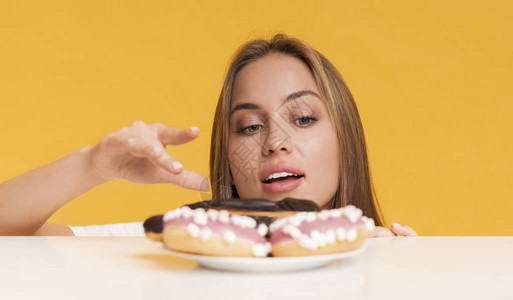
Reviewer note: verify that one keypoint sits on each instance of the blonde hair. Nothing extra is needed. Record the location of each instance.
(355, 186)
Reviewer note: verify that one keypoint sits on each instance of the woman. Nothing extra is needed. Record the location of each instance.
(286, 125)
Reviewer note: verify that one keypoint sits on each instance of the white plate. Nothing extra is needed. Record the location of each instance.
(266, 264)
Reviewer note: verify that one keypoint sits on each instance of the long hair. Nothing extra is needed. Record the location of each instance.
(355, 186)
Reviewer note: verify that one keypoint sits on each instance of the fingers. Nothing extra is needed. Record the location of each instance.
(168, 170)
(396, 229)
(186, 179)
(165, 135)
(173, 136)
(154, 152)
(402, 230)
(148, 141)
(139, 146)
(380, 231)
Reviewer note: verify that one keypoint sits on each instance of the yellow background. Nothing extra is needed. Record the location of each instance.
(432, 80)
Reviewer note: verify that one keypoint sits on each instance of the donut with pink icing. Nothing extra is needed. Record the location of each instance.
(214, 232)
(324, 232)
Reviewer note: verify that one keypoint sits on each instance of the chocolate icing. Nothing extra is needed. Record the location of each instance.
(287, 204)
(156, 223)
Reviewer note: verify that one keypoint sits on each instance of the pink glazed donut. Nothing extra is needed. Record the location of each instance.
(324, 232)
(214, 232)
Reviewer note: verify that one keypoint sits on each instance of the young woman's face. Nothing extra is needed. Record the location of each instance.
(281, 143)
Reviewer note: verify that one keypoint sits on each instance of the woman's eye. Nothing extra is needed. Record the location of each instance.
(253, 128)
(304, 121)
(250, 129)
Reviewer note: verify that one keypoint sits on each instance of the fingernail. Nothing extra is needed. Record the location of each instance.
(156, 150)
(130, 141)
(177, 166)
(194, 129)
(395, 224)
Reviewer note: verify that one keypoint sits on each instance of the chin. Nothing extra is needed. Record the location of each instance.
(279, 197)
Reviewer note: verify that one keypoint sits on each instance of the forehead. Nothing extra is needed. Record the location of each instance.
(272, 77)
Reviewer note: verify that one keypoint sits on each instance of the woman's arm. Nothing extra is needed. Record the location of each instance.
(135, 153)
(28, 200)
(54, 229)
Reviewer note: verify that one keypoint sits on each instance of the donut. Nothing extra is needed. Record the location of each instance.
(315, 233)
(233, 227)
(153, 227)
(259, 207)
(259, 228)
(214, 232)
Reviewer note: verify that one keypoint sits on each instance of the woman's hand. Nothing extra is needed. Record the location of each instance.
(137, 154)
(396, 229)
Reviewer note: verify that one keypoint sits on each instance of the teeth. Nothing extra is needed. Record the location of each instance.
(279, 175)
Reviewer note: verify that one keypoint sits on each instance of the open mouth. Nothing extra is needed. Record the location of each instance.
(283, 176)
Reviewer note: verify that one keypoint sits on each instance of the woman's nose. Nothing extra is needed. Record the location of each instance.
(275, 138)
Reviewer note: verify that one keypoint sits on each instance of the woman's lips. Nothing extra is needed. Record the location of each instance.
(278, 168)
(284, 185)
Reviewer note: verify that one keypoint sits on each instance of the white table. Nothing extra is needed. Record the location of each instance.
(137, 268)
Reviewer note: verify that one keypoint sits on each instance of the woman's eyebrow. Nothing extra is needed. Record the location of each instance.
(245, 105)
(295, 95)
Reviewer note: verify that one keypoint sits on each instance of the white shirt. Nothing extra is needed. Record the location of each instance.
(118, 229)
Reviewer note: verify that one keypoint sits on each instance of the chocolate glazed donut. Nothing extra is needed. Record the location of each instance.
(262, 210)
